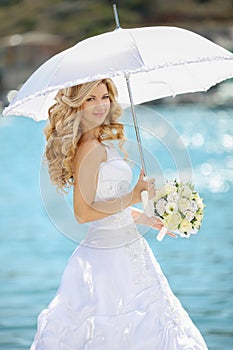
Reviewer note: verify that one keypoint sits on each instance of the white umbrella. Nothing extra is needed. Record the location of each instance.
(161, 61)
(145, 63)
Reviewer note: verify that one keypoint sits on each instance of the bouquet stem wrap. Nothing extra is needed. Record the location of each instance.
(162, 233)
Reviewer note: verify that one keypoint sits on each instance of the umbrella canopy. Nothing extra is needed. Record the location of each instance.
(160, 61)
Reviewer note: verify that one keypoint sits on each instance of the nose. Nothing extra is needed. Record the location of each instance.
(100, 104)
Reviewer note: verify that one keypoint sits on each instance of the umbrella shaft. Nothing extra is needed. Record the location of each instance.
(136, 125)
(116, 16)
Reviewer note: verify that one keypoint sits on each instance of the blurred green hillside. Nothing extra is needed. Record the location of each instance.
(75, 20)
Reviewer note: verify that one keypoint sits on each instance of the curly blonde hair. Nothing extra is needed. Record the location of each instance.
(64, 132)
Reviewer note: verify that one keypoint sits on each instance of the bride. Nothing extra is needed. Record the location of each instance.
(113, 294)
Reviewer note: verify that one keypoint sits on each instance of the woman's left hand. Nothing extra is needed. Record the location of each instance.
(155, 222)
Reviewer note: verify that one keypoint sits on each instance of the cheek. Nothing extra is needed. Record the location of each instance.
(108, 106)
(86, 114)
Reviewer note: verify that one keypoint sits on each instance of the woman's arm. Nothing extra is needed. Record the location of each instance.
(141, 218)
(154, 221)
(86, 167)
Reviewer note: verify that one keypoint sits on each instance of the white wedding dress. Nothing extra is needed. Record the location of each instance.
(113, 294)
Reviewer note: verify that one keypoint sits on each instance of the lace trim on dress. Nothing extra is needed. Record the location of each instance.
(144, 276)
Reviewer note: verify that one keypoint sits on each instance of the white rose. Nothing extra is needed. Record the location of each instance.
(172, 221)
(194, 231)
(198, 221)
(195, 196)
(169, 189)
(199, 217)
(159, 194)
(194, 206)
(184, 235)
(185, 226)
(183, 205)
(198, 200)
(189, 215)
(185, 191)
(171, 207)
(160, 206)
(173, 197)
(200, 204)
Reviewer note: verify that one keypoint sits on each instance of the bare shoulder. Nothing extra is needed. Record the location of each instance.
(92, 152)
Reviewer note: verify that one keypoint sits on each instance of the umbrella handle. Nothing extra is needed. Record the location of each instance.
(147, 204)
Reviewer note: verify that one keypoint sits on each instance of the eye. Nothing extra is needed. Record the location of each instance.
(90, 99)
(105, 97)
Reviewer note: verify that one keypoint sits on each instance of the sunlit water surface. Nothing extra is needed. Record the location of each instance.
(33, 253)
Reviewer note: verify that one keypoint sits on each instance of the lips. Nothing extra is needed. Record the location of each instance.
(99, 114)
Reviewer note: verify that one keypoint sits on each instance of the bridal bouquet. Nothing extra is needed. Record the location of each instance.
(180, 207)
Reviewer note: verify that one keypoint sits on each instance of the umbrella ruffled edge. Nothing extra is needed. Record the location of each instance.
(7, 111)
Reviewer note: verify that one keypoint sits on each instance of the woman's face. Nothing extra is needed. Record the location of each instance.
(96, 107)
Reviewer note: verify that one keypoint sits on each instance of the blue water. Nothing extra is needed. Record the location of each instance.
(33, 252)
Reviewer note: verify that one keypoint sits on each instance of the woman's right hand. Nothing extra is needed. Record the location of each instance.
(142, 185)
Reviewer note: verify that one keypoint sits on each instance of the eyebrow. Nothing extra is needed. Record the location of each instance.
(102, 95)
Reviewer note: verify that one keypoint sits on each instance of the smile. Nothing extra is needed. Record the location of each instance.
(100, 114)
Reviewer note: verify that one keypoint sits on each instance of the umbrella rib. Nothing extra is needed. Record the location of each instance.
(136, 46)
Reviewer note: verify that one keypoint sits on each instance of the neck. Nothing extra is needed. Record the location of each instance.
(92, 134)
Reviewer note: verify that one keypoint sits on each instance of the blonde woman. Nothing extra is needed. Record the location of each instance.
(113, 294)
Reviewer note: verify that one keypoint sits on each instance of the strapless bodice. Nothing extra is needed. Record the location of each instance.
(115, 176)
(114, 180)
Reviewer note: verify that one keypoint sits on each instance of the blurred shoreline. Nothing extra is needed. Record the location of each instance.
(32, 32)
